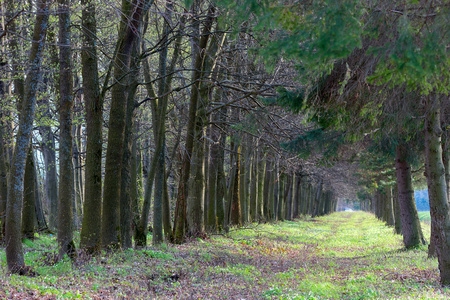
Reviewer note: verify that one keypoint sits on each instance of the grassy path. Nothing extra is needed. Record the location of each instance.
(348, 255)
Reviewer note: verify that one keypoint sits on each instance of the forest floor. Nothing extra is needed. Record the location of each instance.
(347, 255)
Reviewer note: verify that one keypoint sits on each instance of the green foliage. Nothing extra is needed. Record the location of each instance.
(291, 101)
(317, 140)
(418, 58)
(316, 34)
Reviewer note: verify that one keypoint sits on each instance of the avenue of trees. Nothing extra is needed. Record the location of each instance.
(187, 118)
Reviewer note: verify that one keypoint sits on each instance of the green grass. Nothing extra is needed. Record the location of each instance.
(424, 216)
(348, 255)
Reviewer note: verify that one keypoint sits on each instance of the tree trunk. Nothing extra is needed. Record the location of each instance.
(159, 113)
(141, 230)
(128, 34)
(78, 176)
(136, 180)
(412, 232)
(288, 198)
(206, 174)
(125, 189)
(39, 209)
(446, 160)
(243, 177)
(296, 201)
(211, 220)
(260, 179)
(13, 236)
(310, 199)
(66, 182)
(234, 197)
(3, 179)
(390, 207)
(166, 212)
(276, 188)
(272, 185)
(437, 187)
(266, 189)
(28, 211)
(193, 133)
(90, 238)
(397, 214)
(253, 190)
(316, 200)
(4, 158)
(281, 197)
(221, 181)
(49, 153)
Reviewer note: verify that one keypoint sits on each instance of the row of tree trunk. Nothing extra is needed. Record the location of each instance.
(227, 176)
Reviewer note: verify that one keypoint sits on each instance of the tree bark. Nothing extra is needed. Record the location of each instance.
(160, 136)
(437, 187)
(390, 207)
(125, 189)
(446, 160)
(28, 211)
(211, 219)
(412, 232)
(3, 178)
(194, 131)
(281, 197)
(266, 189)
(221, 181)
(131, 19)
(253, 189)
(276, 188)
(397, 214)
(288, 198)
(272, 185)
(235, 195)
(13, 237)
(296, 201)
(49, 153)
(66, 182)
(39, 209)
(90, 238)
(260, 179)
(316, 200)
(243, 185)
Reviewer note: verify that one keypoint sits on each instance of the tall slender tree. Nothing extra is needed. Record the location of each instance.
(13, 237)
(132, 13)
(90, 238)
(66, 182)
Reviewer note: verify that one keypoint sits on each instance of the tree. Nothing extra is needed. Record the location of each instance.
(186, 209)
(412, 232)
(14, 252)
(437, 186)
(28, 211)
(128, 34)
(90, 238)
(66, 181)
(49, 153)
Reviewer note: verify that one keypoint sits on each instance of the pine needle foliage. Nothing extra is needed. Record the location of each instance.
(325, 142)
